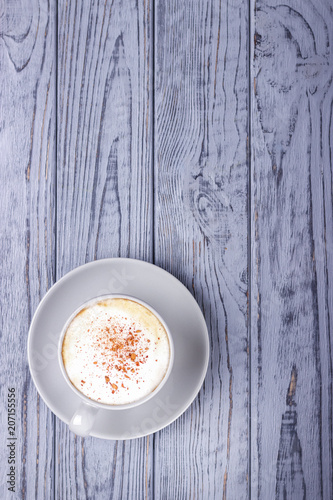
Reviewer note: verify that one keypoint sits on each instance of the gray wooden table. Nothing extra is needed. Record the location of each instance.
(199, 136)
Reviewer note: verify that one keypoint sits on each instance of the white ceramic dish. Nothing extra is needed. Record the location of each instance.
(168, 297)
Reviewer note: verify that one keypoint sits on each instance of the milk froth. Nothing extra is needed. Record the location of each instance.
(116, 351)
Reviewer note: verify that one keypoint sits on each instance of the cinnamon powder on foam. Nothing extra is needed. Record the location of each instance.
(116, 351)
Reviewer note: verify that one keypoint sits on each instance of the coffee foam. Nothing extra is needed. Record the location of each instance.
(116, 351)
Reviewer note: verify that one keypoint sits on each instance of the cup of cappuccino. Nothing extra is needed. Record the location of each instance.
(115, 353)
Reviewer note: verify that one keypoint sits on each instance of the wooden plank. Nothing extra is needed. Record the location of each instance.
(104, 197)
(201, 193)
(27, 138)
(292, 250)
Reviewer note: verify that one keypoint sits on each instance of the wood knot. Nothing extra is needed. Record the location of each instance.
(210, 205)
(292, 388)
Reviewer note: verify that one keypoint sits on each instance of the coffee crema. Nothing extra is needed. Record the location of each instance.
(116, 351)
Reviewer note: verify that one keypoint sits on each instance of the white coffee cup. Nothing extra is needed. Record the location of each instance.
(84, 417)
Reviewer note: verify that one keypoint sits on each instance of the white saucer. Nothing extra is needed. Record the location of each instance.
(164, 293)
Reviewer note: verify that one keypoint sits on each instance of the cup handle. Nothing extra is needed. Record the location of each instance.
(83, 420)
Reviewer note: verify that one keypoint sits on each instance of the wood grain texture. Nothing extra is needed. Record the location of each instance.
(165, 176)
(292, 251)
(27, 138)
(104, 197)
(201, 188)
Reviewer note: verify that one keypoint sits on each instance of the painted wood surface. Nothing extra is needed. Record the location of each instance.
(291, 234)
(201, 185)
(199, 138)
(104, 198)
(27, 173)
